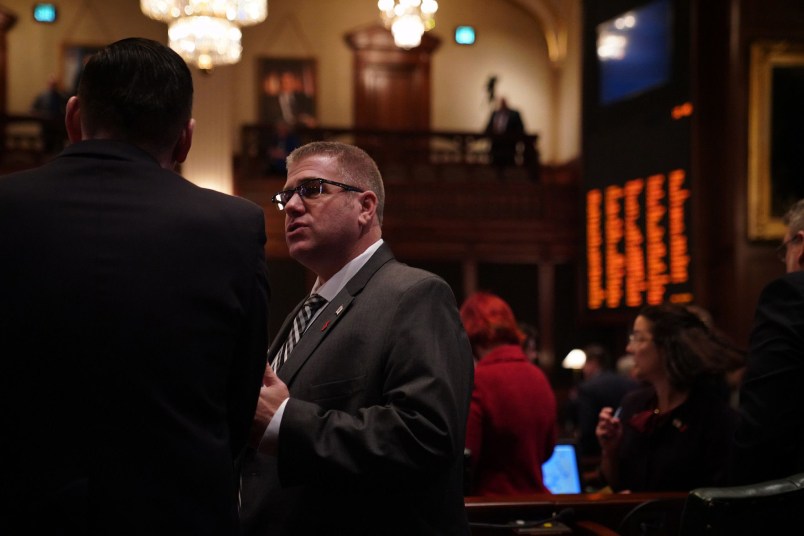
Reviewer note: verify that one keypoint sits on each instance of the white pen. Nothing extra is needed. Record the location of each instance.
(617, 412)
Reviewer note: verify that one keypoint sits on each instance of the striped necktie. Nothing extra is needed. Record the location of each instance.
(300, 323)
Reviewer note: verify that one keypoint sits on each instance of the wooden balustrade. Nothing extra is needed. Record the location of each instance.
(445, 200)
(404, 155)
(22, 141)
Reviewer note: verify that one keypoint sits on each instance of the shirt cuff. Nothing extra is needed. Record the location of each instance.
(270, 439)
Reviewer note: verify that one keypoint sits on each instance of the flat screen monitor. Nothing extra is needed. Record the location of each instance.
(634, 51)
(561, 473)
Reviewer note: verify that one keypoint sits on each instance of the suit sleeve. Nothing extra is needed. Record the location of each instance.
(769, 437)
(474, 425)
(248, 363)
(418, 425)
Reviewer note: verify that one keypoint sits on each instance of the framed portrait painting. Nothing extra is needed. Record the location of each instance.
(287, 91)
(775, 151)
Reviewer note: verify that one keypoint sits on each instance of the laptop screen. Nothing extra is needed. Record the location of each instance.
(561, 473)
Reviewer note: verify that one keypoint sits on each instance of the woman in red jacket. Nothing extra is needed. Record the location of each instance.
(512, 425)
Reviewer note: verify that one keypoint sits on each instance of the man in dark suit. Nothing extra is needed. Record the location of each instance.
(285, 100)
(361, 430)
(506, 129)
(133, 312)
(769, 441)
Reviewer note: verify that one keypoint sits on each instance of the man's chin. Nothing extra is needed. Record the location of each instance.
(298, 251)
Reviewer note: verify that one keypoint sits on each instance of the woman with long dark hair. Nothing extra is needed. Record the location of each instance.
(674, 434)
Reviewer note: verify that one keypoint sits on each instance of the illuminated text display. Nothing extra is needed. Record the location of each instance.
(637, 248)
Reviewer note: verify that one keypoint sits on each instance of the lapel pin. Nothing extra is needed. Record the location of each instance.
(339, 310)
(325, 325)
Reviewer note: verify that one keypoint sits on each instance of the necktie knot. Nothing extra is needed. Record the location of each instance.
(300, 322)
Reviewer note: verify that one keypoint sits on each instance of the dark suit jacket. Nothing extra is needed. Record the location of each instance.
(372, 438)
(301, 106)
(503, 144)
(133, 329)
(770, 437)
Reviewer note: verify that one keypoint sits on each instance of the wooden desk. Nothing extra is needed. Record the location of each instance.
(592, 513)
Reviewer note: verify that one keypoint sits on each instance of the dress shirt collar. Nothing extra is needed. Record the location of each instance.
(335, 284)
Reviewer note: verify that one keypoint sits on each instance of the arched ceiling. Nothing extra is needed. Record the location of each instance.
(552, 16)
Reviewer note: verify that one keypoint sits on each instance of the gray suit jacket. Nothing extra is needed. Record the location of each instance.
(372, 438)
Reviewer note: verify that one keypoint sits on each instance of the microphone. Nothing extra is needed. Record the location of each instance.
(567, 516)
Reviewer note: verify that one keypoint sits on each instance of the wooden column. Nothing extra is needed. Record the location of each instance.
(547, 300)
(7, 21)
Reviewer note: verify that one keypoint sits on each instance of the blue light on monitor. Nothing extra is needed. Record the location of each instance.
(634, 51)
(560, 473)
(465, 35)
(44, 13)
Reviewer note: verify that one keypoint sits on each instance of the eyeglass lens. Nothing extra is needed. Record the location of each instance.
(308, 190)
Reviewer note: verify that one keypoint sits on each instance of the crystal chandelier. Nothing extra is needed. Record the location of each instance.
(408, 19)
(206, 33)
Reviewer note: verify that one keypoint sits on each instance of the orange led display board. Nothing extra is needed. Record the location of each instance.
(637, 247)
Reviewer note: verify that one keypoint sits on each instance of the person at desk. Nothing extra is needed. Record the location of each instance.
(133, 318)
(505, 126)
(512, 425)
(769, 442)
(675, 433)
(361, 428)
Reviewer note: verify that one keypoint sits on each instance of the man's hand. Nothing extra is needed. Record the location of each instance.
(272, 393)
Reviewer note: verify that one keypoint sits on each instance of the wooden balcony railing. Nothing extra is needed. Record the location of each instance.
(406, 155)
(24, 140)
(445, 199)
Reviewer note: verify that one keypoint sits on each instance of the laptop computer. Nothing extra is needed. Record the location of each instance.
(562, 472)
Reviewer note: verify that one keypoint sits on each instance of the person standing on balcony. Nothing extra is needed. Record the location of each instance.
(506, 129)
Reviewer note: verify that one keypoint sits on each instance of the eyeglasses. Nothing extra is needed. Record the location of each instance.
(309, 189)
(781, 251)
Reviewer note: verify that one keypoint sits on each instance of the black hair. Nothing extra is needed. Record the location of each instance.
(136, 90)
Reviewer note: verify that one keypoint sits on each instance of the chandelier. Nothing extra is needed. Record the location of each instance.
(408, 19)
(206, 33)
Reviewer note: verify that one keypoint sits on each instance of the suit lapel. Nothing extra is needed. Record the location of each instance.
(329, 318)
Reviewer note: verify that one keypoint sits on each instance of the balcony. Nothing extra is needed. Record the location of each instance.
(445, 200)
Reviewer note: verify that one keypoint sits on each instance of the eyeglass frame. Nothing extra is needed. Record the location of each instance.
(639, 338)
(276, 198)
(781, 251)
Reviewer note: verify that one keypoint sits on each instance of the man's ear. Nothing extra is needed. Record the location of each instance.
(800, 259)
(184, 143)
(72, 120)
(368, 207)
